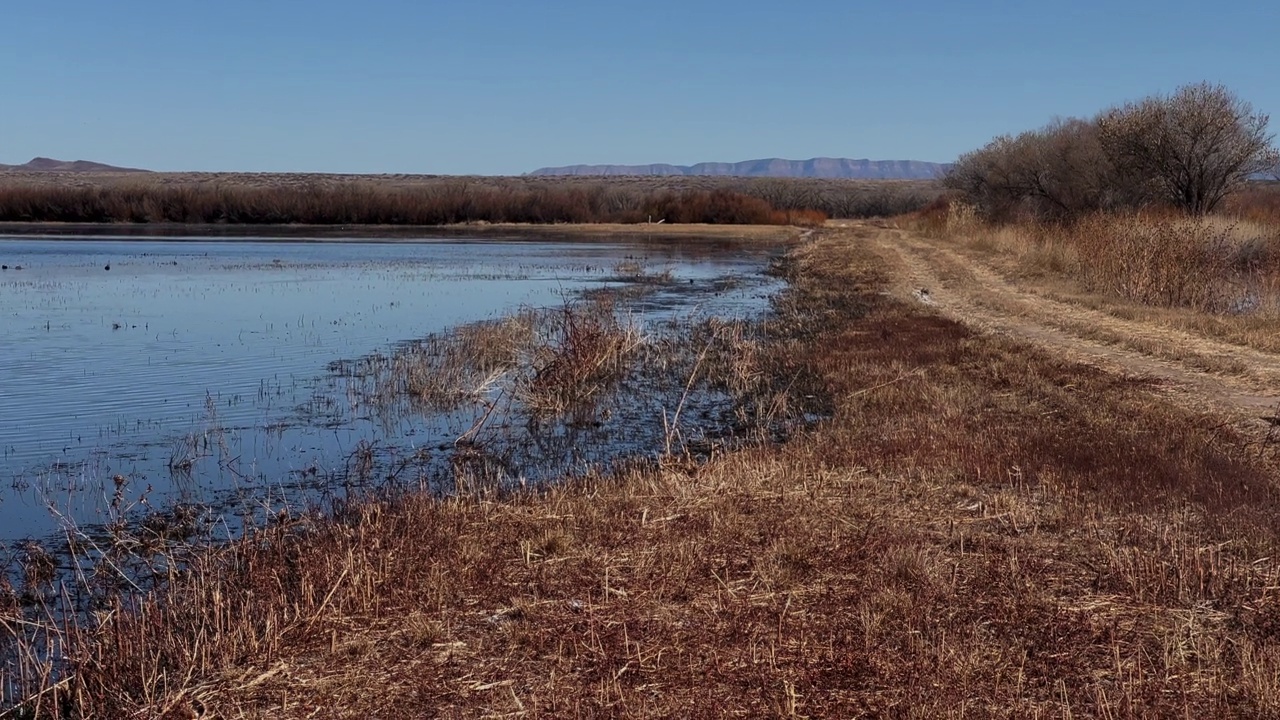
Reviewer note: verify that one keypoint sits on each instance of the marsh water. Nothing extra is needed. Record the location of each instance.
(137, 376)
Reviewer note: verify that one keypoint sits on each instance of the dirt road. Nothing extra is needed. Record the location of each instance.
(1191, 369)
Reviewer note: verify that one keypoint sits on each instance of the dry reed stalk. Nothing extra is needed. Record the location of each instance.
(266, 197)
(585, 348)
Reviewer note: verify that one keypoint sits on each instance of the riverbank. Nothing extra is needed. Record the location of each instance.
(980, 528)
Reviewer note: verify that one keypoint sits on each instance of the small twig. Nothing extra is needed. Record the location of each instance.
(24, 706)
(479, 424)
(896, 380)
(329, 597)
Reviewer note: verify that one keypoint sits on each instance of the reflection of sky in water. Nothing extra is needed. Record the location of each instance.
(106, 371)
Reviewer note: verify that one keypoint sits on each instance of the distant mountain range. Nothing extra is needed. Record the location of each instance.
(44, 164)
(772, 167)
(768, 167)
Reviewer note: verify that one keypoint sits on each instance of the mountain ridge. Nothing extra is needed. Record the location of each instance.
(821, 167)
(44, 164)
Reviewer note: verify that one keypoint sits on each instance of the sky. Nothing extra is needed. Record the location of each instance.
(506, 86)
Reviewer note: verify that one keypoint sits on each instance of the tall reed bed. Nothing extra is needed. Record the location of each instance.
(1210, 265)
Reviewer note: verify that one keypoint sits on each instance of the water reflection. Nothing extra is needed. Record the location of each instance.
(200, 372)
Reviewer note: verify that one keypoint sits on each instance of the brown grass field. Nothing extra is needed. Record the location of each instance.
(1002, 518)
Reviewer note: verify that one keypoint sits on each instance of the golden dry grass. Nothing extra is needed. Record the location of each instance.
(1216, 277)
(981, 529)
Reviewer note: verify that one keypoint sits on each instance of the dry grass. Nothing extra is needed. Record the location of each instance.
(1217, 276)
(548, 361)
(1258, 203)
(586, 349)
(980, 530)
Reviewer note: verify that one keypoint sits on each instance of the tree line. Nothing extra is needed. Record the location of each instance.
(1188, 150)
(322, 200)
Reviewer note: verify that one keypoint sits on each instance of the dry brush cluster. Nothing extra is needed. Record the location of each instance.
(1176, 262)
(1188, 150)
(370, 204)
(1219, 265)
(549, 362)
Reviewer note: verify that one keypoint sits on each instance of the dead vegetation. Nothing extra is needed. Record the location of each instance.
(586, 349)
(546, 361)
(407, 200)
(980, 530)
(1213, 265)
(1216, 276)
(445, 371)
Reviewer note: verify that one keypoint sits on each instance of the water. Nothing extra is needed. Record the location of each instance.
(199, 371)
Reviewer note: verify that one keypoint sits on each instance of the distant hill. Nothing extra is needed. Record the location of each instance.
(44, 164)
(772, 167)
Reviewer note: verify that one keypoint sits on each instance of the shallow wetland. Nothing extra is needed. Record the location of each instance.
(218, 381)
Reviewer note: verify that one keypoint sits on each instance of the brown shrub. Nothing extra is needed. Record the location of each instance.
(1167, 261)
(1188, 150)
(427, 200)
(1259, 203)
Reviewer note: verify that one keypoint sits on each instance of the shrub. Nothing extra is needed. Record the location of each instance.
(1188, 150)
(345, 200)
(1157, 260)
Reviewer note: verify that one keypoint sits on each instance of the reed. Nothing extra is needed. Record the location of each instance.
(585, 349)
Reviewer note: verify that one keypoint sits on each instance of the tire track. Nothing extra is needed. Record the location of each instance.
(925, 270)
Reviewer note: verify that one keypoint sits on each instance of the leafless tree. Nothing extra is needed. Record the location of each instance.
(1194, 146)
(1056, 172)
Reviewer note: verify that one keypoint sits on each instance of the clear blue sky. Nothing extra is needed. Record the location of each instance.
(505, 86)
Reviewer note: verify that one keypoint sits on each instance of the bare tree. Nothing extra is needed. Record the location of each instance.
(1194, 147)
(1056, 172)
(984, 179)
